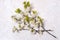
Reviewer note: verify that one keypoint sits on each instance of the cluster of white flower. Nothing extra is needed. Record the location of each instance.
(29, 20)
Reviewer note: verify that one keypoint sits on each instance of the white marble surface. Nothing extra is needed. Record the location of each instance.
(48, 9)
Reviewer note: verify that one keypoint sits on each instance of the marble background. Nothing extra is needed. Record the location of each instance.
(48, 9)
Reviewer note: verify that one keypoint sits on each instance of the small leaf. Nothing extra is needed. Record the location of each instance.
(34, 12)
(25, 6)
(18, 10)
(32, 30)
(24, 2)
(27, 18)
(40, 19)
(28, 4)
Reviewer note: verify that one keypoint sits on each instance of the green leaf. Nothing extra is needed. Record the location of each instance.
(28, 4)
(40, 19)
(34, 12)
(32, 30)
(25, 6)
(18, 10)
(27, 18)
(24, 2)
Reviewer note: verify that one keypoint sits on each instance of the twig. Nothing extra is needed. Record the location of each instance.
(47, 31)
